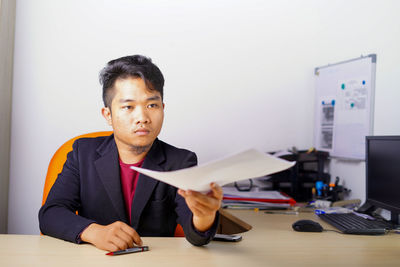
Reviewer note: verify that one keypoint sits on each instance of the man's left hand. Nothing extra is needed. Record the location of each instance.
(203, 206)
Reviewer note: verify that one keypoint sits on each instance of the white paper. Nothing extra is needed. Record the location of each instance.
(247, 164)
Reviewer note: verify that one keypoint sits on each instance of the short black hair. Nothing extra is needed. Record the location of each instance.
(136, 66)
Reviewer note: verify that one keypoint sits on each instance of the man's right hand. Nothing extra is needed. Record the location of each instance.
(112, 237)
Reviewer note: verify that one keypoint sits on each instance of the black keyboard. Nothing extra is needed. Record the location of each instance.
(349, 223)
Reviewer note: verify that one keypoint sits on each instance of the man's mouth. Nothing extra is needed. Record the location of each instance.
(142, 131)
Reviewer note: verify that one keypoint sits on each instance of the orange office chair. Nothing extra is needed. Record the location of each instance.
(57, 162)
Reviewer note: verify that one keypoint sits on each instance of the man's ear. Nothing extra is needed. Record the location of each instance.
(106, 112)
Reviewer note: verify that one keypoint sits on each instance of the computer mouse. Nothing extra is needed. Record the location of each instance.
(307, 226)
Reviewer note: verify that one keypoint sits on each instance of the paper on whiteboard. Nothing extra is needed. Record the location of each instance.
(245, 165)
(326, 123)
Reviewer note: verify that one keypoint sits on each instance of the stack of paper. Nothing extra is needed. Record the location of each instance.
(255, 199)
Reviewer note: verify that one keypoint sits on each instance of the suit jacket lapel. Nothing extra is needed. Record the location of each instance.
(107, 167)
(146, 185)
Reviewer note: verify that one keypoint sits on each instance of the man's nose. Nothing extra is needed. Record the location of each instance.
(141, 115)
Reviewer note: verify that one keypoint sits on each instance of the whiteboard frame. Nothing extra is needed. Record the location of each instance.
(371, 104)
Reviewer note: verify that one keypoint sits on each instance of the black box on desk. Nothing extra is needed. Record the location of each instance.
(299, 180)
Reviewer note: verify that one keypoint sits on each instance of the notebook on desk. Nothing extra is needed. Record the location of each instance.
(382, 187)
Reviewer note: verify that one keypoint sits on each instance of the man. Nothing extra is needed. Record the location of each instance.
(115, 204)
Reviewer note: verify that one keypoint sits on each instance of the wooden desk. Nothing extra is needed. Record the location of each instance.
(271, 242)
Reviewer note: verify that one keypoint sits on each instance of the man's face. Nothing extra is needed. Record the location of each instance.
(136, 115)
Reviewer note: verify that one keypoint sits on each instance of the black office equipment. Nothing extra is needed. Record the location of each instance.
(299, 180)
(307, 226)
(382, 182)
(349, 223)
(383, 175)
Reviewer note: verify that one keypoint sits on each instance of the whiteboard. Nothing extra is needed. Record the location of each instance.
(344, 106)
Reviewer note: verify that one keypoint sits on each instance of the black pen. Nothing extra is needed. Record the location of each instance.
(129, 250)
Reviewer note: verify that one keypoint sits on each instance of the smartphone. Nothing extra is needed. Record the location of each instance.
(227, 238)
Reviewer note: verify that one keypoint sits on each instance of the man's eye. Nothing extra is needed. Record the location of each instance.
(152, 105)
(127, 107)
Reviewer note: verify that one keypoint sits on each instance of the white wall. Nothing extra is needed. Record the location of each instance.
(238, 74)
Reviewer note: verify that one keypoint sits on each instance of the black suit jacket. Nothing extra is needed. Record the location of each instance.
(90, 184)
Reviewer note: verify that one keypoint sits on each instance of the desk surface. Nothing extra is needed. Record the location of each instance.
(271, 242)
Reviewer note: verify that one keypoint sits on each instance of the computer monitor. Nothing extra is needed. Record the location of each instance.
(382, 160)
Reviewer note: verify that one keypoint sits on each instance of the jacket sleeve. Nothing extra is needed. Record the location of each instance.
(57, 217)
(185, 215)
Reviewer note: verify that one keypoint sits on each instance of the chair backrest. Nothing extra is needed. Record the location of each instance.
(57, 162)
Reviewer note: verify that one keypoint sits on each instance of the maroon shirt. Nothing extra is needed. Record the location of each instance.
(129, 179)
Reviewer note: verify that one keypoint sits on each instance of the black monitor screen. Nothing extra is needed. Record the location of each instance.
(383, 172)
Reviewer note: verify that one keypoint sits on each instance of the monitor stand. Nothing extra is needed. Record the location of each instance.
(394, 218)
(368, 208)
